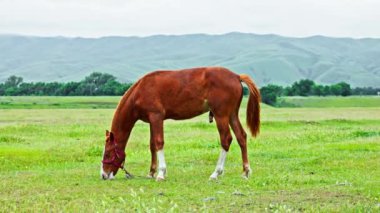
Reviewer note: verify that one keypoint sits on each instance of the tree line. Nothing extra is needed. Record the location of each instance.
(94, 84)
(306, 87)
(105, 84)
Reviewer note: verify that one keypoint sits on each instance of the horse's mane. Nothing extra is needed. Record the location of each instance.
(128, 93)
(125, 98)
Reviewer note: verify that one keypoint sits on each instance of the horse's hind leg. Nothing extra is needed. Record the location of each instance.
(241, 137)
(225, 139)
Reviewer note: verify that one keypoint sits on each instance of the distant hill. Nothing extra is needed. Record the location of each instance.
(267, 58)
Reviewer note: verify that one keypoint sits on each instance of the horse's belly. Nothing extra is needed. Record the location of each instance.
(183, 116)
(186, 110)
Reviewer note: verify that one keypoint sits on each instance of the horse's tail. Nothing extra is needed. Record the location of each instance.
(253, 107)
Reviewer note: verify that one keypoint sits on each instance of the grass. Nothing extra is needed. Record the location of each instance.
(57, 102)
(330, 101)
(305, 159)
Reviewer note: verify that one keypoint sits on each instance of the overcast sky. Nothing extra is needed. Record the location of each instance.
(95, 18)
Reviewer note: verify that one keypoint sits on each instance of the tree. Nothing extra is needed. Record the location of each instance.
(109, 88)
(289, 91)
(13, 81)
(99, 79)
(106, 84)
(10, 86)
(303, 87)
(326, 90)
(365, 91)
(317, 90)
(11, 91)
(25, 89)
(270, 93)
(2, 89)
(123, 88)
(69, 88)
(97, 84)
(245, 91)
(345, 89)
(336, 89)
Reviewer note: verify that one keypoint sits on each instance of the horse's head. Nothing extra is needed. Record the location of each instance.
(113, 157)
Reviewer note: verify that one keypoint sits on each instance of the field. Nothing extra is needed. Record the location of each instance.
(51, 102)
(305, 159)
(330, 101)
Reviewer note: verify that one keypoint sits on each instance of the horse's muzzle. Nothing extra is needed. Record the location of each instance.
(106, 176)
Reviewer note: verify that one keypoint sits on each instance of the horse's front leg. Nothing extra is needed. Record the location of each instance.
(153, 163)
(157, 137)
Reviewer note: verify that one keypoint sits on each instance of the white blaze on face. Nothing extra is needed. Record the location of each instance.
(103, 174)
(110, 176)
(101, 166)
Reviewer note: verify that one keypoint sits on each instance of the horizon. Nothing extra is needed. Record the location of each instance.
(187, 34)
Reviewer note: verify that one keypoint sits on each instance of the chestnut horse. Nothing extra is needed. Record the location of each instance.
(181, 95)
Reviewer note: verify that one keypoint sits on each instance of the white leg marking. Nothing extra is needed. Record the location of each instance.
(161, 165)
(219, 166)
(247, 171)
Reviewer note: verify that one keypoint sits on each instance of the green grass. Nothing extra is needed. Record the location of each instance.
(330, 101)
(305, 159)
(57, 102)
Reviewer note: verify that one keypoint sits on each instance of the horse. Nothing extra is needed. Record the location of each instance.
(179, 95)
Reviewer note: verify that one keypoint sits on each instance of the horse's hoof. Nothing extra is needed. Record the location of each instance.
(213, 178)
(246, 174)
(159, 179)
(128, 176)
(150, 176)
(216, 174)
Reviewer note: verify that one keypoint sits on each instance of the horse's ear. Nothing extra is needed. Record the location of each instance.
(107, 133)
(111, 136)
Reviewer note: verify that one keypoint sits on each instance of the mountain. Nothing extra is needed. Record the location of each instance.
(267, 58)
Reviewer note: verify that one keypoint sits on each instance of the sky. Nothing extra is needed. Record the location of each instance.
(97, 18)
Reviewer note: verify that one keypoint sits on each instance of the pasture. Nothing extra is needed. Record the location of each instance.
(330, 101)
(305, 159)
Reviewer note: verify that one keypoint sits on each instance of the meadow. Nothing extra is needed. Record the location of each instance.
(306, 159)
(330, 101)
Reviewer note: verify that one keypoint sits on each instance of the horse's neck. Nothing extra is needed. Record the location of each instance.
(123, 122)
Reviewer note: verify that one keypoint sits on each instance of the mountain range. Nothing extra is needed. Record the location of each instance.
(267, 58)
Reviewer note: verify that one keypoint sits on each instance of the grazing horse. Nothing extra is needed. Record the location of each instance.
(182, 95)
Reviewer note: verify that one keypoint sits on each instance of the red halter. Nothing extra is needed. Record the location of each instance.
(120, 154)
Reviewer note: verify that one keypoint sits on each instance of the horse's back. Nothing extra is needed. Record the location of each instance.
(202, 76)
(187, 93)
